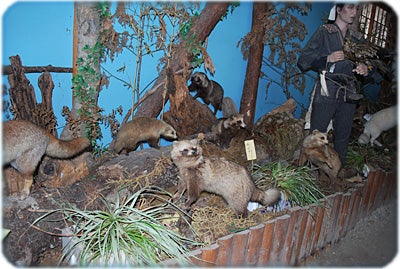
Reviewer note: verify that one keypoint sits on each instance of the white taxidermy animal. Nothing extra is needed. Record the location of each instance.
(382, 120)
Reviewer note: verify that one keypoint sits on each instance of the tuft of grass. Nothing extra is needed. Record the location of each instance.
(297, 183)
(359, 155)
(123, 235)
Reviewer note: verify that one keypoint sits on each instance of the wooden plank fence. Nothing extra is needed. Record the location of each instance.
(286, 240)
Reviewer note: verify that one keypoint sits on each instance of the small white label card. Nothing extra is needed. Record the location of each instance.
(250, 150)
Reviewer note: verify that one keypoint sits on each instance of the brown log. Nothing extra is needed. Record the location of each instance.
(250, 87)
(61, 173)
(23, 99)
(22, 93)
(46, 117)
(201, 29)
(7, 69)
(186, 115)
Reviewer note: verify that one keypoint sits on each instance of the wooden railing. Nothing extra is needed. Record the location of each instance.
(286, 240)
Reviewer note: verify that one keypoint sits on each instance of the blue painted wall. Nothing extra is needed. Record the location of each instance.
(41, 33)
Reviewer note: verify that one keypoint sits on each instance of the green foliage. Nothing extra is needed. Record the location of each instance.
(103, 9)
(84, 85)
(359, 155)
(123, 234)
(298, 183)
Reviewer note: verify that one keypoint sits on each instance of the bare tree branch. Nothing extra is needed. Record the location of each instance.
(7, 69)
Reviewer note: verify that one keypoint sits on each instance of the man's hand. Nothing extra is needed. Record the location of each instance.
(335, 56)
(361, 69)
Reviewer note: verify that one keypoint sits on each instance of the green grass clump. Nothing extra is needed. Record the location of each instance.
(124, 235)
(297, 183)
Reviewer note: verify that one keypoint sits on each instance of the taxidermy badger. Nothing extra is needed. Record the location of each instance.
(208, 90)
(382, 120)
(139, 130)
(218, 176)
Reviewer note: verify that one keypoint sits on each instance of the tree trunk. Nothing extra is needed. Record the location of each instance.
(250, 87)
(180, 62)
(86, 32)
(186, 115)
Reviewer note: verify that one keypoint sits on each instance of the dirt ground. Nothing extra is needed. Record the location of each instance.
(372, 242)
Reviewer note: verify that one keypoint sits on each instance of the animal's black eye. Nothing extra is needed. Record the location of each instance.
(185, 152)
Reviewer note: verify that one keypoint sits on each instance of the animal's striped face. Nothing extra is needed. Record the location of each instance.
(238, 121)
(186, 148)
(235, 121)
(200, 79)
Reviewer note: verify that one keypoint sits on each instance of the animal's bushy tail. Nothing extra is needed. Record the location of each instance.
(269, 197)
(66, 149)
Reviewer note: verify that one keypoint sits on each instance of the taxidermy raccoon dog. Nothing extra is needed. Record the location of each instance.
(227, 128)
(228, 107)
(382, 120)
(142, 129)
(25, 143)
(208, 90)
(218, 176)
(316, 149)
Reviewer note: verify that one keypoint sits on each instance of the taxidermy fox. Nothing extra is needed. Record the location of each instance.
(25, 143)
(316, 149)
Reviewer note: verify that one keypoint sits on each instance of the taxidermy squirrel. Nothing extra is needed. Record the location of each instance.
(25, 143)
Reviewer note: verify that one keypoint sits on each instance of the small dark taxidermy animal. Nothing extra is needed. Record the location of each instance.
(316, 149)
(227, 128)
(208, 90)
(216, 175)
(25, 143)
(141, 129)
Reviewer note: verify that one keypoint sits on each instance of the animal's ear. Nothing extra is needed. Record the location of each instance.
(201, 136)
(315, 131)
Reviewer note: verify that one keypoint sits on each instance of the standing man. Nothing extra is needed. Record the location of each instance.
(336, 89)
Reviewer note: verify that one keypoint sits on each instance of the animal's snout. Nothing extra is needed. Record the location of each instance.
(195, 79)
(193, 151)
